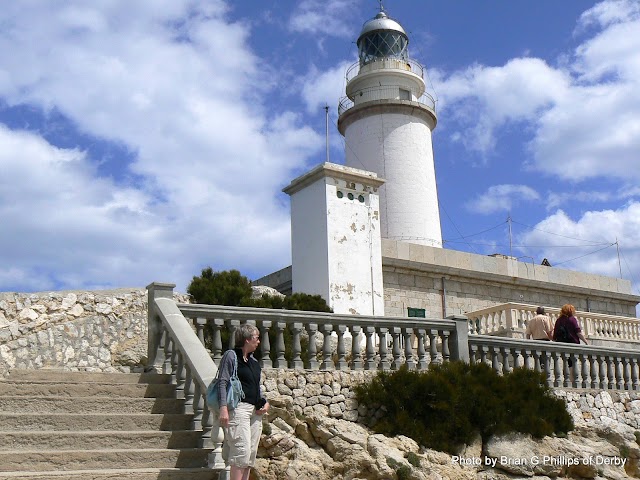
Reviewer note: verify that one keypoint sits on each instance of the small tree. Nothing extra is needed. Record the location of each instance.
(228, 287)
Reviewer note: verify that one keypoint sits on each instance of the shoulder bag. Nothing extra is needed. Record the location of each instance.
(234, 388)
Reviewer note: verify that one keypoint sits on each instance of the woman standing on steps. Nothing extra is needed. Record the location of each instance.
(242, 426)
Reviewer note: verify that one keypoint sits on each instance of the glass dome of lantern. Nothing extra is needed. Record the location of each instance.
(382, 37)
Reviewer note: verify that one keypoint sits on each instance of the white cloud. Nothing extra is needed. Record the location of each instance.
(321, 88)
(584, 116)
(329, 17)
(585, 244)
(502, 198)
(176, 83)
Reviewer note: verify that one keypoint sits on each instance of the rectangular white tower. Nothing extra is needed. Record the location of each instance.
(335, 238)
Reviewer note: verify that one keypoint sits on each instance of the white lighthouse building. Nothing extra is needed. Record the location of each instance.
(387, 120)
(366, 235)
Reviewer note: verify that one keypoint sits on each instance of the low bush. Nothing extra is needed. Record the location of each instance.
(449, 404)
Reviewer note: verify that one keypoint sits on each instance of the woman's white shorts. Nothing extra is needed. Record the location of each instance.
(242, 436)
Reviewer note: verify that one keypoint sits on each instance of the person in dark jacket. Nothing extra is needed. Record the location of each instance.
(243, 425)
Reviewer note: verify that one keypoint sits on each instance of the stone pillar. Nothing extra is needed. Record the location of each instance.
(460, 341)
(154, 335)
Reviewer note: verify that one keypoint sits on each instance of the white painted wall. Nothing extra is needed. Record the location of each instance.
(397, 146)
(336, 243)
(309, 252)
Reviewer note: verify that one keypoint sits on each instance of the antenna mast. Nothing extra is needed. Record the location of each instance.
(510, 242)
(326, 110)
(618, 250)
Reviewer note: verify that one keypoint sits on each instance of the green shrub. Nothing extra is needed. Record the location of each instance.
(413, 459)
(231, 288)
(228, 287)
(446, 406)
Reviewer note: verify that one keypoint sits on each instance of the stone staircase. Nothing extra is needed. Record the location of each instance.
(96, 426)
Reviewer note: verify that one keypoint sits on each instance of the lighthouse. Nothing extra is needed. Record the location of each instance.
(387, 120)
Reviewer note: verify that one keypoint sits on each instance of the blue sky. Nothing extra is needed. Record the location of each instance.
(143, 141)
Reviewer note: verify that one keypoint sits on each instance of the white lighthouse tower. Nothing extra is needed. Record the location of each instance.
(387, 120)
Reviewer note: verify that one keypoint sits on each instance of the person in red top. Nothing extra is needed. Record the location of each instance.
(567, 330)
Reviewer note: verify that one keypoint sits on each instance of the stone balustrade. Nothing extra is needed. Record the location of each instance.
(381, 342)
(593, 367)
(509, 317)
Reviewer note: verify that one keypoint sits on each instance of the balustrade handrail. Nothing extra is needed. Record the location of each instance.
(305, 317)
(530, 307)
(508, 316)
(413, 65)
(174, 348)
(491, 340)
(563, 364)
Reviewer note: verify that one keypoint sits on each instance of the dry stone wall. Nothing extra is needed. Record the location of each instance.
(77, 330)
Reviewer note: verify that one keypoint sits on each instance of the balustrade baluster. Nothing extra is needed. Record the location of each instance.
(188, 391)
(537, 357)
(421, 335)
(585, 371)
(180, 374)
(199, 323)
(619, 373)
(408, 348)
(213, 439)
(626, 373)
(595, 371)
(634, 373)
(396, 352)
(518, 358)
(569, 372)
(198, 406)
(549, 367)
(384, 352)
(559, 365)
(296, 360)
(327, 361)
(471, 326)
(356, 348)
(233, 325)
(484, 354)
(528, 360)
(433, 345)
(507, 366)
(473, 354)
(168, 354)
(495, 360)
(341, 363)
(265, 344)
(280, 361)
(603, 371)
(216, 341)
(444, 337)
(370, 351)
(312, 351)
(611, 372)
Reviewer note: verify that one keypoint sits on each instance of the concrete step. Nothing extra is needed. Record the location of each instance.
(104, 421)
(21, 404)
(85, 389)
(63, 376)
(56, 460)
(112, 474)
(97, 440)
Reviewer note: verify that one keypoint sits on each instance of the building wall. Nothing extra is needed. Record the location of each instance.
(309, 254)
(419, 276)
(354, 246)
(336, 244)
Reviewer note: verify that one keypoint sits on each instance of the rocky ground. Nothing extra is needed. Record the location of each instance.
(301, 447)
